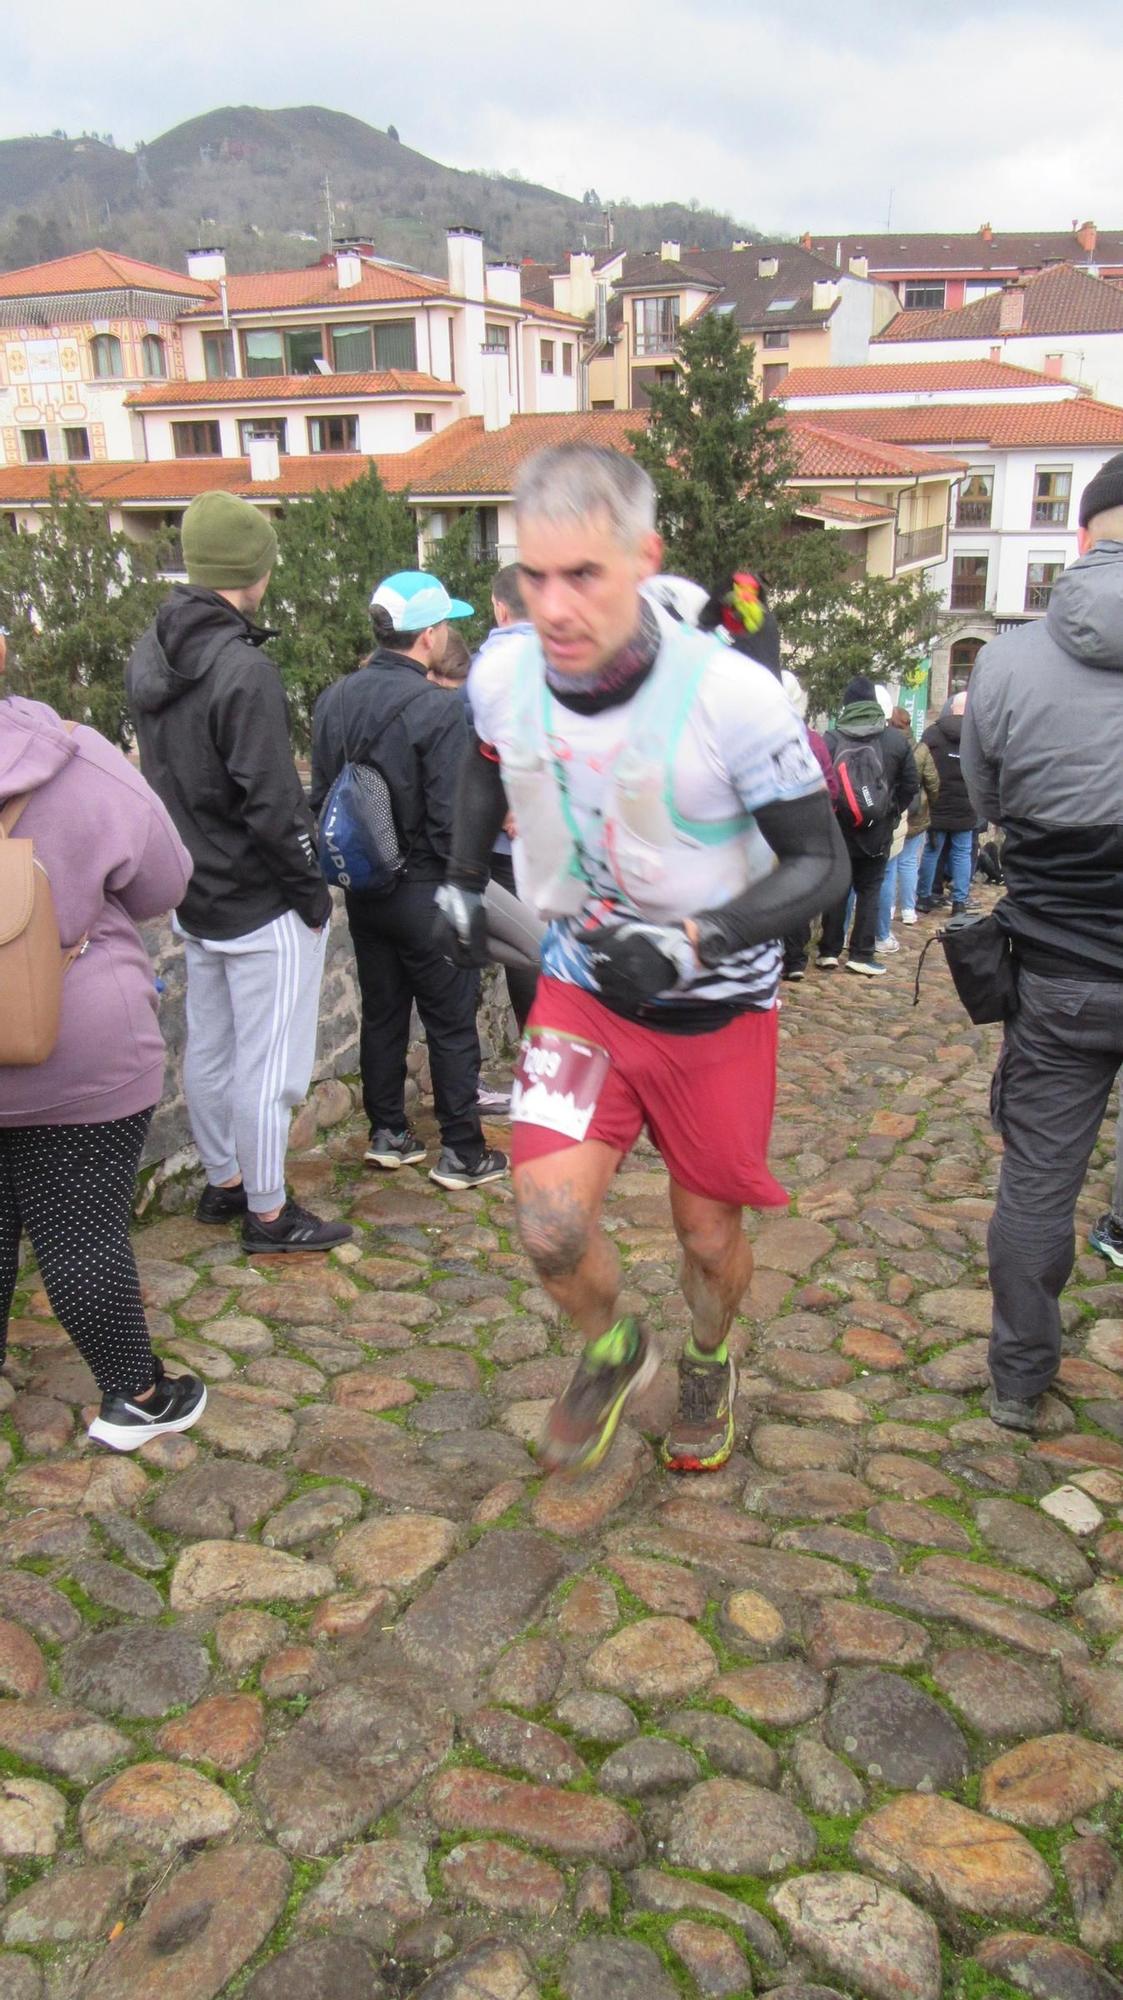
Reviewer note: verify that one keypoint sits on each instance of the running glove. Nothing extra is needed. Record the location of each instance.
(634, 961)
(460, 927)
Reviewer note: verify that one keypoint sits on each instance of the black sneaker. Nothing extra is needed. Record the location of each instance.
(177, 1402)
(295, 1228)
(453, 1172)
(1107, 1238)
(392, 1150)
(582, 1423)
(1013, 1413)
(221, 1204)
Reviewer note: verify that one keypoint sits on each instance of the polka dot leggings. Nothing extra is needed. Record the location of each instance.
(71, 1188)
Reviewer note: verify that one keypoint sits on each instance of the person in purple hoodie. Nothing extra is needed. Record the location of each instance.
(72, 1127)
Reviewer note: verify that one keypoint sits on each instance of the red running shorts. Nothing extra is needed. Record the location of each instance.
(706, 1100)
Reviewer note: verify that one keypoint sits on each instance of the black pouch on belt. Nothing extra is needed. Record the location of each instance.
(982, 965)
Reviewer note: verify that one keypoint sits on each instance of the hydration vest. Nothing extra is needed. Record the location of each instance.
(658, 862)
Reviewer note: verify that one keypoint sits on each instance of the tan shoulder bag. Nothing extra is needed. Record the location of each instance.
(33, 963)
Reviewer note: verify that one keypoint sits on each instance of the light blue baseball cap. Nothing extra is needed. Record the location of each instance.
(414, 600)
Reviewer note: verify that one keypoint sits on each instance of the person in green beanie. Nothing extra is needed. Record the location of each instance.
(212, 728)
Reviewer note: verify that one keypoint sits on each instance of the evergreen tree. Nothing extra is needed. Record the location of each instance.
(721, 461)
(333, 548)
(75, 598)
(455, 559)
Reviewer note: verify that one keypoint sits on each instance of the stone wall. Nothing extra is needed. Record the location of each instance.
(169, 1146)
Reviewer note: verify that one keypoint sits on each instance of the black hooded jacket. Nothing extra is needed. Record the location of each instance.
(212, 728)
(953, 811)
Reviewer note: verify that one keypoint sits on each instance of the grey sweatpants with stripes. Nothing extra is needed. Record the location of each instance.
(252, 1007)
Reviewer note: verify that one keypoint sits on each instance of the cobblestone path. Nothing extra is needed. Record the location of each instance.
(336, 1698)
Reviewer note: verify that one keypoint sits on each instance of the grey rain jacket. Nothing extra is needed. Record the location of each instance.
(1042, 753)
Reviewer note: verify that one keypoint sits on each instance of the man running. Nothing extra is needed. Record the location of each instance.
(672, 823)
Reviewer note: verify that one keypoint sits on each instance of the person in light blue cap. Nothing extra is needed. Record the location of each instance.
(388, 715)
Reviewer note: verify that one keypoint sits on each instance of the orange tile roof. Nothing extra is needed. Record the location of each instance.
(551, 313)
(174, 479)
(99, 271)
(1081, 420)
(891, 378)
(840, 507)
(834, 451)
(317, 285)
(1057, 301)
(289, 389)
(465, 458)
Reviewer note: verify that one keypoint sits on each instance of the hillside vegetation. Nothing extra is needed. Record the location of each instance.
(259, 182)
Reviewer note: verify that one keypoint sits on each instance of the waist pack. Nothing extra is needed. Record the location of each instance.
(33, 963)
(863, 790)
(359, 845)
(981, 963)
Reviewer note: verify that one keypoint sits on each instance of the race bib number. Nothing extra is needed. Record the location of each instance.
(558, 1080)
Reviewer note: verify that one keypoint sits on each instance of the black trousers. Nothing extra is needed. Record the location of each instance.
(795, 945)
(867, 871)
(398, 963)
(71, 1188)
(521, 986)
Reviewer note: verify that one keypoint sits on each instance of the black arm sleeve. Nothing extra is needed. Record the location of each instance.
(478, 815)
(814, 873)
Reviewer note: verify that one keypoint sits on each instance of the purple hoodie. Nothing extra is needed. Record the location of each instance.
(114, 859)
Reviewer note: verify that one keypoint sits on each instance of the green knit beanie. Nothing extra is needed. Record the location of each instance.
(227, 543)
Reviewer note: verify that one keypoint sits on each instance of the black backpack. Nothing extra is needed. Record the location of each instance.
(864, 797)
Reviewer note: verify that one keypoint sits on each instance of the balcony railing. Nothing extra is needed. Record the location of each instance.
(656, 343)
(969, 594)
(920, 545)
(973, 514)
(1037, 596)
(1050, 514)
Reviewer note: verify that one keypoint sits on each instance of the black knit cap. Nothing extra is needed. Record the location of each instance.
(861, 688)
(1104, 491)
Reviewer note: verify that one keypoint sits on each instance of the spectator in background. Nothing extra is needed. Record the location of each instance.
(903, 864)
(212, 729)
(388, 713)
(451, 670)
(953, 818)
(861, 723)
(72, 1127)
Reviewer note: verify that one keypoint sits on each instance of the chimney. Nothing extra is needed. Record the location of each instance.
(805, 240)
(207, 263)
(670, 251)
(824, 293)
(496, 392)
(767, 267)
(986, 232)
(739, 243)
(1011, 309)
(582, 288)
(504, 284)
(859, 267)
(265, 460)
(1086, 237)
(466, 263)
(348, 269)
(995, 353)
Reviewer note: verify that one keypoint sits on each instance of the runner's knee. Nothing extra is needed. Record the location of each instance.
(710, 1240)
(554, 1228)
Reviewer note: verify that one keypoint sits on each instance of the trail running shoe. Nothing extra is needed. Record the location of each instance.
(493, 1103)
(868, 967)
(392, 1150)
(177, 1402)
(582, 1423)
(1107, 1238)
(453, 1172)
(221, 1204)
(701, 1435)
(295, 1228)
(828, 963)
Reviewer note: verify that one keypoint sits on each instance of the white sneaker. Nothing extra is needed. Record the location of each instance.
(886, 944)
(868, 967)
(908, 916)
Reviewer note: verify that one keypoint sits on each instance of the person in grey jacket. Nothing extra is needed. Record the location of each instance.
(1042, 750)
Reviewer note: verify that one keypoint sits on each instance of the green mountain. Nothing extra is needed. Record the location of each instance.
(273, 185)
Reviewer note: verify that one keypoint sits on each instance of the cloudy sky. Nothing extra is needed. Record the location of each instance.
(808, 114)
